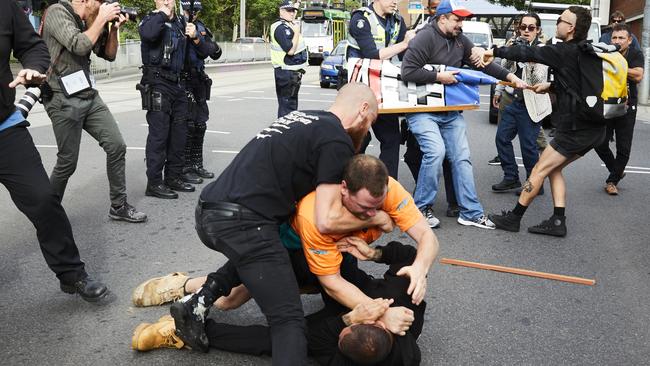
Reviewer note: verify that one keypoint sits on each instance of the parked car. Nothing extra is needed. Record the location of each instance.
(250, 40)
(329, 71)
(479, 33)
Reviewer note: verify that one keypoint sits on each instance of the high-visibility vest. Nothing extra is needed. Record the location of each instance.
(377, 30)
(278, 54)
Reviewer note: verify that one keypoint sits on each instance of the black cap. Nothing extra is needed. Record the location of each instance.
(287, 4)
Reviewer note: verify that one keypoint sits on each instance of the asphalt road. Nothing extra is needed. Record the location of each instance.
(473, 316)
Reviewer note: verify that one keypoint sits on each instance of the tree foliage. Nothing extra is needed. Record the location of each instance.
(520, 4)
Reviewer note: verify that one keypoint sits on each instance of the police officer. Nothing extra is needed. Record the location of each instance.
(288, 56)
(198, 84)
(164, 97)
(379, 32)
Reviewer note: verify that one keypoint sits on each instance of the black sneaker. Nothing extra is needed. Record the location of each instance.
(495, 162)
(554, 226)
(507, 221)
(506, 185)
(189, 317)
(127, 213)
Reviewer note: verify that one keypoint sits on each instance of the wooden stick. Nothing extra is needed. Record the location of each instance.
(519, 271)
(420, 109)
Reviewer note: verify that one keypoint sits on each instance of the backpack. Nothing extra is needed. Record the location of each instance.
(603, 83)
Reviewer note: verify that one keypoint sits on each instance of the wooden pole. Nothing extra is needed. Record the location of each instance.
(519, 271)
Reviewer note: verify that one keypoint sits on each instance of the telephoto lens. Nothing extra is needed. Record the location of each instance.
(26, 103)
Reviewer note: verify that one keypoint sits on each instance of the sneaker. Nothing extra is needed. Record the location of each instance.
(496, 161)
(126, 213)
(453, 211)
(160, 290)
(189, 317)
(507, 221)
(611, 189)
(554, 226)
(481, 222)
(427, 212)
(159, 335)
(506, 185)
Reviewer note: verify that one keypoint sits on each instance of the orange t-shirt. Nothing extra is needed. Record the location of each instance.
(320, 250)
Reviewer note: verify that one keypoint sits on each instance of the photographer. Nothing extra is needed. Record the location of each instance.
(72, 30)
(198, 84)
(21, 169)
(163, 35)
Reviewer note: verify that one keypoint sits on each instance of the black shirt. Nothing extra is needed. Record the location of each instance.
(360, 31)
(634, 59)
(283, 163)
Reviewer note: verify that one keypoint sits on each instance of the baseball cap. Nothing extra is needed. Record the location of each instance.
(451, 6)
(186, 5)
(287, 4)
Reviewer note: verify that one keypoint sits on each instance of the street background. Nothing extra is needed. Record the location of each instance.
(473, 316)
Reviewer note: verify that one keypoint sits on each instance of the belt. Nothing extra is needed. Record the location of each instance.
(229, 209)
(163, 74)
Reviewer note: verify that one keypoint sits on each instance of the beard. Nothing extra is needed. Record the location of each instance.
(358, 135)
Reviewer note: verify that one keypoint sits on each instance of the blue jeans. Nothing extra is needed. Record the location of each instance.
(440, 134)
(515, 121)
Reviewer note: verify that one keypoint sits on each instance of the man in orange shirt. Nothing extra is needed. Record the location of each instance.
(365, 190)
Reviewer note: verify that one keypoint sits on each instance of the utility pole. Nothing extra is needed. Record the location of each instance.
(644, 90)
(242, 18)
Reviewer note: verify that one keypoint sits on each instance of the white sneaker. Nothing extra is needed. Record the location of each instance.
(427, 212)
(481, 222)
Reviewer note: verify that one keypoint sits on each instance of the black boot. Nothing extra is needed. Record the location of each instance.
(160, 191)
(189, 176)
(89, 289)
(554, 226)
(197, 158)
(177, 184)
(506, 185)
(189, 316)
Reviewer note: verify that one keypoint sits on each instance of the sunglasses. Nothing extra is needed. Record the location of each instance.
(560, 20)
(529, 27)
(618, 20)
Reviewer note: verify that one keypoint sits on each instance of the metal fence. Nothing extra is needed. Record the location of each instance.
(129, 57)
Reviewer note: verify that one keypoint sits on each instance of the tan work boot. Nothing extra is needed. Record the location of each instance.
(160, 290)
(158, 335)
(611, 189)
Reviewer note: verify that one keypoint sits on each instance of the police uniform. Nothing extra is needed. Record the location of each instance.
(198, 84)
(368, 34)
(164, 98)
(288, 69)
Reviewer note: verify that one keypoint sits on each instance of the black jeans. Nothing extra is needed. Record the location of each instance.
(252, 245)
(624, 128)
(22, 172)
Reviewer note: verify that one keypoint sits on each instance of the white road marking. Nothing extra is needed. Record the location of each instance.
(256, 91)
(632, 167)
(309, 86)
(301, 93)
(219, 132)
(144, 124)
(47, 146)
(635, 172)
(225, 152)
(235, 100)
(300, 100)
(224, 96)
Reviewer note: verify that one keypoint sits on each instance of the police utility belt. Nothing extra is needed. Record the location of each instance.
(160, 73)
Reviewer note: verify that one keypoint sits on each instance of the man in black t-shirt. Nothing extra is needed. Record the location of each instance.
(624, 125)
(239, 215)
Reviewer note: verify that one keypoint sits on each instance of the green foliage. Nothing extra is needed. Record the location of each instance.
(519, 4)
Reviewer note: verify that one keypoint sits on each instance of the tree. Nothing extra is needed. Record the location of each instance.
(520, 4)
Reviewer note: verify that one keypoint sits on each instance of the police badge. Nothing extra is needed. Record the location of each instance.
(360, 23)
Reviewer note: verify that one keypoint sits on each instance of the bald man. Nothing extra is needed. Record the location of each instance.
(239, 215)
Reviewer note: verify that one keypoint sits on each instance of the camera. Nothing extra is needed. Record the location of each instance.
(125, 10)
(520, 41)
(26, 103)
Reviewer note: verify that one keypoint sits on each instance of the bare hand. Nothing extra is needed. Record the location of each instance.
(517, 81)
(166, 9)
(541, 87)
(357, 247)
(410, 34)
(477, 56)
(488, 57)
(398, 319)
(108, 12)
(418, 285)
(447, 77)
(121, 20)
(369, 312)
(495, 101)
(27, 76)
(190, 30)
(295, 27)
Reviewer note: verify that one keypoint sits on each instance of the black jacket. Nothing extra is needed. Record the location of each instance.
(563, 59)
(17, 35)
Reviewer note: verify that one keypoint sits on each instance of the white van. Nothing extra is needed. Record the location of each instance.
(549, 25)
(479, 33)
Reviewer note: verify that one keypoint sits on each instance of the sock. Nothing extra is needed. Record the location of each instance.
(558, 211)
(519, 210)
